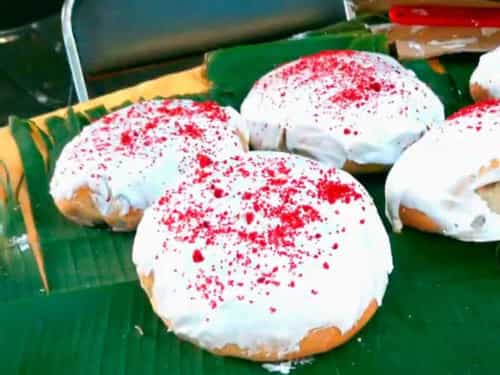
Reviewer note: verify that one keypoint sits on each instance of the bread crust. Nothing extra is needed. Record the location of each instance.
(355, 168)
(82, 209)
(316, 341)
(418, 220)
(479, 93)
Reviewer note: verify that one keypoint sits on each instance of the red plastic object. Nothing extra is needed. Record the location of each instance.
(445, 16)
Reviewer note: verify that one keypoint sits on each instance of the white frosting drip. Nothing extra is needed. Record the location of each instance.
(439, 175)
(129, 156)
(240, 266)
(341, 105)
(487, 73)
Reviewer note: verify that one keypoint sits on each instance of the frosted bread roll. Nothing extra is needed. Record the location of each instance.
(118, 165)
(350, 109)
(485, 80)
(268, 256)
(447, 182)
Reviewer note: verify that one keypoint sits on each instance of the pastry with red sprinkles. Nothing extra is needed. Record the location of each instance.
(267, 256)
(350, 109)
(449, 181)
(485, 80)
(118, 165)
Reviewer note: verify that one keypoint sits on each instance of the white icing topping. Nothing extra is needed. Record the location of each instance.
(439, 175)
(341, 105)
(129, 156)
(487, 73)
(238, 253)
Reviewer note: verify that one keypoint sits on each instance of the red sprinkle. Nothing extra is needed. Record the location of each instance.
(249, 216)
(218, 193)
(211, 110)
(190, 130)
(198, 256)
(125, 138)
(204, 160)
(247, 196)
(335, 191)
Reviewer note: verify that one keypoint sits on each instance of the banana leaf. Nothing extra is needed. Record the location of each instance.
(18, 270)
(440, 314)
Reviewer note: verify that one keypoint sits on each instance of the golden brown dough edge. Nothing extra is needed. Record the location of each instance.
(479, 93)
(355, 168)
(317, 341)
(82, 210)
(417, 219)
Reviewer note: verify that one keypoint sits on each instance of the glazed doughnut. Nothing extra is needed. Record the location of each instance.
(118, 165)
(345, 108)
(448, 181)
(485, 80)
(267, 256)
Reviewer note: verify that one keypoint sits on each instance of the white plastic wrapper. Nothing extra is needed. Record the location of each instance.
(415, 42)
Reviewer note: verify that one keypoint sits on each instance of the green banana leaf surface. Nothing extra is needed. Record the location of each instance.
(440, 315)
